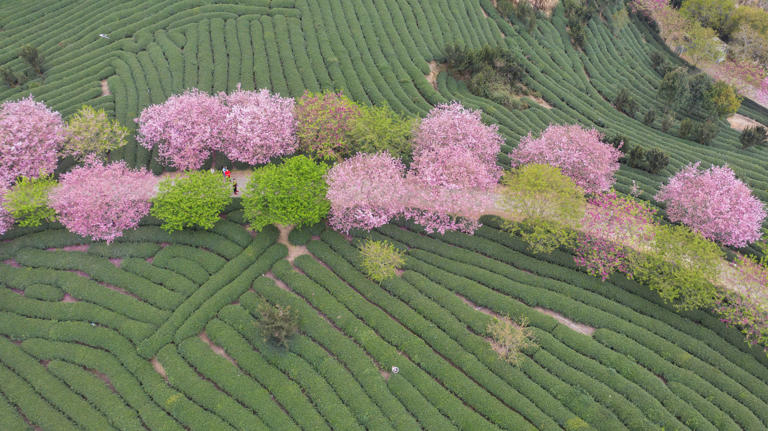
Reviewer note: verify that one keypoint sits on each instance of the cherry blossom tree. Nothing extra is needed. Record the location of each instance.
(714, 203)
(323, 122)
(440, 209)
(258, 126)
(101, 201)
(365, 191)
(186, 128)
(578, 152)
(91, 131)
(746, 307)
(31, 135)
(6, 220)
(453, 149)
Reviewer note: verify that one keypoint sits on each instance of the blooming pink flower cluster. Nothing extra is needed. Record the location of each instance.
(100, 202)
(248, 126)
(610, 226)
(258, 126)
(762, 93)
(714, 203)
(447, 187)
(746, 307)
(452, 148)
(6, 220)
(31, 136)
(578, 153)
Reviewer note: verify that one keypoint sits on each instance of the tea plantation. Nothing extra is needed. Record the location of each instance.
(158, 331)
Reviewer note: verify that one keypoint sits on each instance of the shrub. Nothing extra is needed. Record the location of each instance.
(722, 100)
(667, 122)
(193, 199)
(324, 121)
(659, 63)
(543, 205)
(745, 307)
(90, 131)
(11, 78)
(277, 322)
(706, 131)
(258, 126)
(680, 266)
(699, 85)
(100, 201)
(292, 193)
(380, 259)
(686, 127)
(650, 117)
(714, 203)
(578, 152)
(625, 103)
(509, 338)
(379, 128)
(6, 221)
(365, 191)
(453, 149)
(673, 89)
(186, 128)
(636, 157)
(30, 138)
(28, 53)
(756, 135)
(27, 201)
(657, 160)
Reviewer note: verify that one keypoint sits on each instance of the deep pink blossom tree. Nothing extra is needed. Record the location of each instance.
(612, 226)
(186, 128)
(258, 126)
(6, 220)
(366, 191)
(31, 135)
(578, 152)
(452, 148)
(714, 203)
(100, 202)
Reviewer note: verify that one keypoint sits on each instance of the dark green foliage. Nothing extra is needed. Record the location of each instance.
(28, 53)
(706, 131)
(636, 157)
(659, 63)
(11, 78)
(625, 103)
(699, 86)
(277, 322)
(674, 89)
(578, 13)
(686, 127)
(302, 235)
(657, 160)
(667, 122)
(756, 135)
(650, 117)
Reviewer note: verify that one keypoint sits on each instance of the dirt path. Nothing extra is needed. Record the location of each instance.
(740, 122)
(105, 88)
(434, 69)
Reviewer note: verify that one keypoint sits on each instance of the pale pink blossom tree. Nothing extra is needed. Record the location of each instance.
(186, 128)
(439, 209)
(6, 220)
(366, 191)
(578, 152)
(452, 148)
(31, 135)
(258, 126)
(714, 203)
(101, 201)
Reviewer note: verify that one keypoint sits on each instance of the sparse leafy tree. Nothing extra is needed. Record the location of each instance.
(510, 338)
(379, 128)
(27, 201)
(324, 121)
(657, 160)
(381, 259)
(756, 135)
(625, 103)
(277, 322)
(650, 117)
(29, 54)
(686, 127)
(90, 131)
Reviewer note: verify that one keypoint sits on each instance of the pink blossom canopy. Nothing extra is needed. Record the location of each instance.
(578, 153)
(454, 149)
(6, 220)
(31, 135)
(714, 203)
(100, 201)
(259, 126)
(365, 191)
(186, 128)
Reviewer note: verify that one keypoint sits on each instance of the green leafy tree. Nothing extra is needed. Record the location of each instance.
(681, 266)
(706, 132)
(194, 199)
(27, 201)
(543, 205)
(277, 322)
(650, 117)
(625, 103)
(702, 44)
(379, 128)
(673, 89)
(657, 160)
(715, 14)
(381, 259)
(698, 85)
(29, 54)
(90, 131)
(292, 193)
(686, 127)
(756, 135)
(722, 100)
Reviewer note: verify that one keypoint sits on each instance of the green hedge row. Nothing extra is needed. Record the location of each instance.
(169, 279)
(206, 260)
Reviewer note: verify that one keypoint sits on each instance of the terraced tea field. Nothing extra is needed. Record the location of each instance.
(157, 331)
